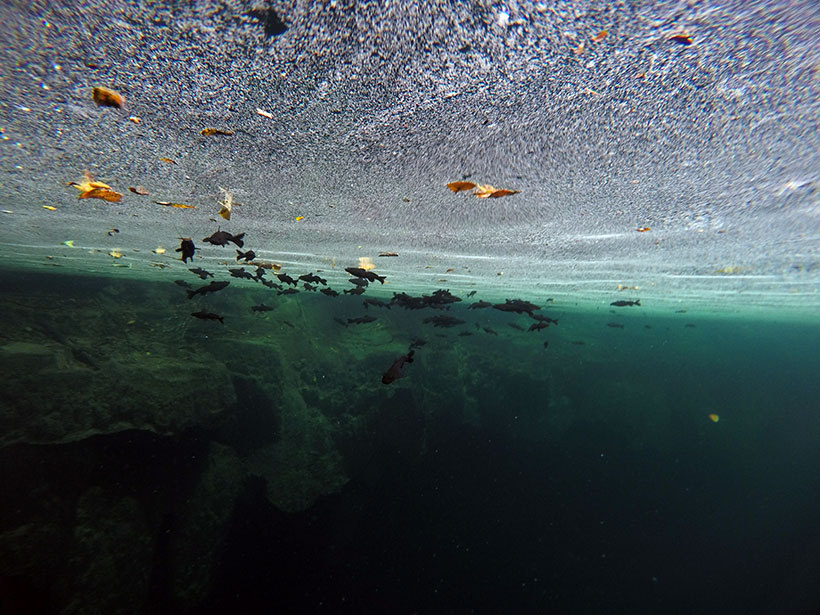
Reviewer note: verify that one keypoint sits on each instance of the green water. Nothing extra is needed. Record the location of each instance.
(154, 461)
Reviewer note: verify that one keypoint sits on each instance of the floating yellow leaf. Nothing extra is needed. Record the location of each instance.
(264, 113)
(159, 250)
(168, 160)
(89, 183)
(134, 118)
(460, 186)
(714, 418)
(226, 204)
(299, 218)
(69, 243)
(107, 98)
(49, 207)
(115, 254)
(210, 132)
(177, 205)
(366, 263)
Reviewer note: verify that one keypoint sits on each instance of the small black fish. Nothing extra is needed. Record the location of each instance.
(358, 282)
(394, 372)
(187, 248)
(579, 343)
(313, 279)
(365, 274)
(329, 292)
(261, 308)
(537, 326)
(626, 303)
(203, 315)
(443, 321)
(542, 318)
(680, 311)
(210, 288)
(490, 331)
(359, 290)
(201, 273)
(221, 238)
(615, 325)
(246, 256)
(361, 320)
(516, 305)
(284, 277)
(479, 304)
(182, 283)
(272, 284)
(465, 333)
(515, 326)
(340, 321)
(288, 291)
(260, 273)
(471, 293)
(689, 325)
(377, 303)
(240, 273)
(546, 345)
(417, 343)
(309, 287)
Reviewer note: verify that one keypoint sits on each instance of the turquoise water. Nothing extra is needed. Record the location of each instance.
(157, 462)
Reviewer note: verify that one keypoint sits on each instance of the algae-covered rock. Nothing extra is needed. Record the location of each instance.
(153, 393)
(203, 526)
(111, 555)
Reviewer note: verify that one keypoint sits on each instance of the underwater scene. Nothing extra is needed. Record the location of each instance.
(409, 307)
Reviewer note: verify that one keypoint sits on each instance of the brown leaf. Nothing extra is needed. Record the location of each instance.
(107, 98)
(499, 193)
(138, 190)
(460, 186)
(599, 37)
(210, 132)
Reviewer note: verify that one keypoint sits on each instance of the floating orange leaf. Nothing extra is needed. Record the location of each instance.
(210, 132)
(106, 194)
(599, 37)
(681, 36)
(168, 160)
(107, 98)
(499, 193)
(643, 229)
(460, 186)
(579, 49)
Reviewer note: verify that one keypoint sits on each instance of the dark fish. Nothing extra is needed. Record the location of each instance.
(615, 325)
(680, 311)
(515, 326)
(289, 291)
(260, 273)
(284, 277)
(182, 283)
(246, 256)
(465, 333)
(542, 318)
(537, 326)
(689, 325)
(221, 238)
(479, 304)
(546, 345)
(261, 308)
(417, 343)
(210, 288)
(359, 290)
(407, 302)
(471, 293)
(441, 297)
(361, 320)
(313, 279)
(329, 292)
(626, 303)
(272, 284)
(340, 321)
(240, 273)
(309, 287)
(201, 273)
(365, 274)
(490, 331)
(443, 321)
(203, 315)
(288, 323)
(516, 305)
(187, 248)
(377, 303)
(358, 282)
(394, 373)
(579, 343)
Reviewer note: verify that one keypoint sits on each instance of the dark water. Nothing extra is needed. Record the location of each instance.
(152, 462)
